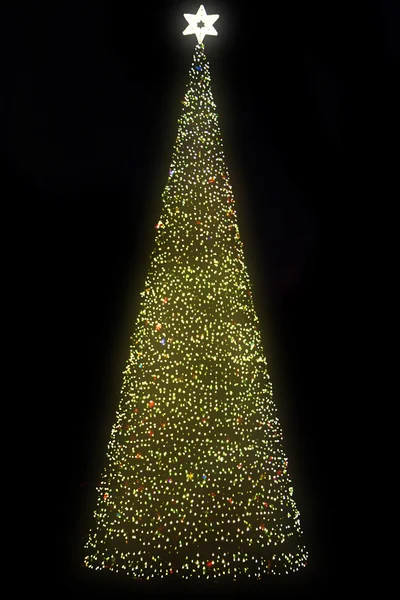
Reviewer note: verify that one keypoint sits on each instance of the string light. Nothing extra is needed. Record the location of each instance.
(196, 482)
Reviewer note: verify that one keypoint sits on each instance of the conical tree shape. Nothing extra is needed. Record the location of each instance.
(196, 481)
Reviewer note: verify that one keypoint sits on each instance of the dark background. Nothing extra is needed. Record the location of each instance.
(91, 94)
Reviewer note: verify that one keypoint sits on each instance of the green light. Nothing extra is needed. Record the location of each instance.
(196, 480)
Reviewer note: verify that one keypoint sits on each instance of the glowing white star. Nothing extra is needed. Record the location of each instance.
(201, 24)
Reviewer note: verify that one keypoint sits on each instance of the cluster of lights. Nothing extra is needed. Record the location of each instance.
(196, 482)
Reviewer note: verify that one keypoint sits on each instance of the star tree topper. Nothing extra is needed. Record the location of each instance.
(201, 24)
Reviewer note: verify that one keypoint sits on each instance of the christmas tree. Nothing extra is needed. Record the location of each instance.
(196, 480)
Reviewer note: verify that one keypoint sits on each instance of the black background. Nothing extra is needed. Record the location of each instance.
(91, 94)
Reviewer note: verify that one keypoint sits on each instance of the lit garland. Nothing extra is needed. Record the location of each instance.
(196, 482)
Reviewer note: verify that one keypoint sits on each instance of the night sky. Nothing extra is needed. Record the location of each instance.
(91, 94)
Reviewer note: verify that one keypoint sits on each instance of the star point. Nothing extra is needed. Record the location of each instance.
(201, 24)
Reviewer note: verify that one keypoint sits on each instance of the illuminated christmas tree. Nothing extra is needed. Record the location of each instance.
(196, 481)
